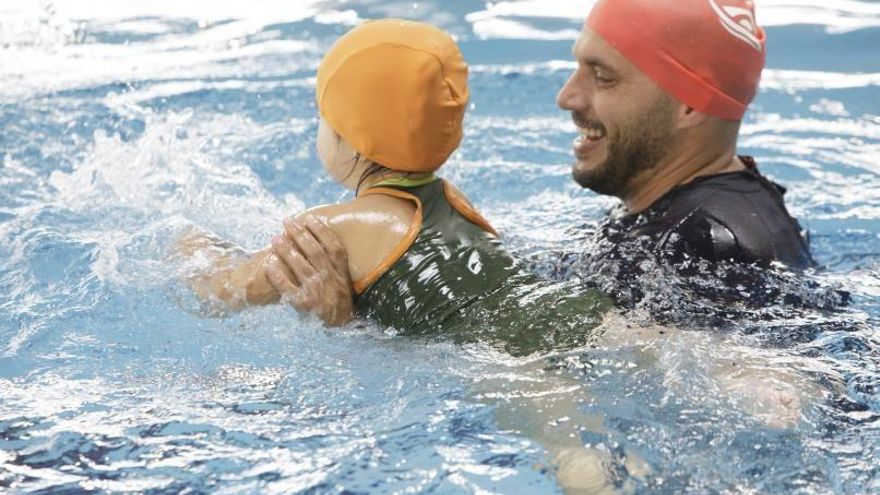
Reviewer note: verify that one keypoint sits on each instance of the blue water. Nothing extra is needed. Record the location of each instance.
(124, 124)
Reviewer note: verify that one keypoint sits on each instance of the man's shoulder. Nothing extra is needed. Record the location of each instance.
(723, 197)
(738, 216)
(745, 189)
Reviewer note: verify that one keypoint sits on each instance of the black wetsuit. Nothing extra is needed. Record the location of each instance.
(739, 217)
(736, 218)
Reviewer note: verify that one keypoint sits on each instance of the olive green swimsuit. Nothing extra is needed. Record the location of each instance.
(452, 277)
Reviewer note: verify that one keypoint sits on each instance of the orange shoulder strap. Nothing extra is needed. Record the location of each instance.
(463, 206)
(376, 273)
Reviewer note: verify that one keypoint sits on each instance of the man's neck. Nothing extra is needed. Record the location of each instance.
(648, 188)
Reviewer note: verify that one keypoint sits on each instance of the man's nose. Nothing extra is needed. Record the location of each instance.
(572, 95)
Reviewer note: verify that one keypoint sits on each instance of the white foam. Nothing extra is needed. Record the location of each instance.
(51, 48)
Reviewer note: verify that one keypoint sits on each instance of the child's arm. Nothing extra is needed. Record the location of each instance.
(306, 265)
(232, 279)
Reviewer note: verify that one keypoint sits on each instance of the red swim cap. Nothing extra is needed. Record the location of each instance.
(708, 54)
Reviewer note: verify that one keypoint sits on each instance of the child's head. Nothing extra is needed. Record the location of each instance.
(391, 93)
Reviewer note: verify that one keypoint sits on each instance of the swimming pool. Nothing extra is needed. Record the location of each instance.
(127, 122)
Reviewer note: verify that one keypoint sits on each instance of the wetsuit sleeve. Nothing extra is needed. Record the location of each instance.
(717, 265)
(702, 235)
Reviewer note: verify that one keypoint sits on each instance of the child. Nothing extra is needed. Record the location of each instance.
(392, 96)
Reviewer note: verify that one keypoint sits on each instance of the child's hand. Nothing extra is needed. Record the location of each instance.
(309, 269)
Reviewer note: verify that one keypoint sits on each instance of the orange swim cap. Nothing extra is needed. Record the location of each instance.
(396, 91)
(708, 54)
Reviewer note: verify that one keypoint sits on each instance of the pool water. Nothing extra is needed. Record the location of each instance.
(126, 123)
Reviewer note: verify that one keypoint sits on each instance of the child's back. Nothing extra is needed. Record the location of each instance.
(452, 276)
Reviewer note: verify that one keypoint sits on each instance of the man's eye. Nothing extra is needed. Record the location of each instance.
(602, 79)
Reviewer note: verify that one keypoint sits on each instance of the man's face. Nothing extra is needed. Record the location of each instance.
(626, 121)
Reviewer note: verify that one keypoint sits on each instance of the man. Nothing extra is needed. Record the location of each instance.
(659, 93)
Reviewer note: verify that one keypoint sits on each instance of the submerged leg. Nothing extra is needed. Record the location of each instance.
(770, 385)
(545, 405)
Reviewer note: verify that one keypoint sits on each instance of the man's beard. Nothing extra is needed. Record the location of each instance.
(634, 148)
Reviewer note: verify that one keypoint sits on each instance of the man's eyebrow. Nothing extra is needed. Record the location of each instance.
(595, 62)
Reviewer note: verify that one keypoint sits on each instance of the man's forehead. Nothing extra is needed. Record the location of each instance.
(590, 48)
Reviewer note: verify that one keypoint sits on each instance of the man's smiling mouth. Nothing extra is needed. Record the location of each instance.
(592, 133)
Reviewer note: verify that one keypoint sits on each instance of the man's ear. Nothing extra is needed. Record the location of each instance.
(688, 118)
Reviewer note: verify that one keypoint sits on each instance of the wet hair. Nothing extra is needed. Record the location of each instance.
(373, 169)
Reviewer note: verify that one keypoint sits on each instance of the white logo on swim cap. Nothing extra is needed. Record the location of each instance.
(740, 22)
